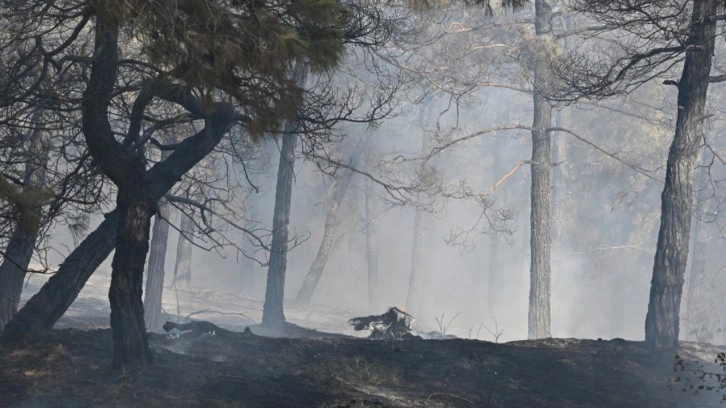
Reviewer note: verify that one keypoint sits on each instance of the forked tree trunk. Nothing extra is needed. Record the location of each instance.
(371, 246)
(18, 253)
(273, 316)
(155, 270)
(336, 195)
(540, 220)
(671, 257)
(184, 247)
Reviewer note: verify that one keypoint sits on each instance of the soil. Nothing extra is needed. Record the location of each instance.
(71, 367)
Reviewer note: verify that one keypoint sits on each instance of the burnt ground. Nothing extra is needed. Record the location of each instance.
(72, 368)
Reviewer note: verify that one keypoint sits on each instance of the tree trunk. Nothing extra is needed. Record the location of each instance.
(273, 316)
(132, 244)
(669, 266)
(371, 246)
(48, 305)
(155, 270)
(540, 274)
(338, 190)
(45, 308)
(21, 245)
(183, 266)
(416, 263)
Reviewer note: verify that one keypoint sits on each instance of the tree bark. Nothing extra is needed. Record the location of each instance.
(155, 270)
(273, 316)
(21, 245)
(337, 193)
(540, 221)
(184, 247)
(48, 305)
(669, 266)
(371, 246)
(132, 244)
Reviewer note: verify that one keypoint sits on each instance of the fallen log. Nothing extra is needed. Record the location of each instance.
(394, 324)
(198, 328)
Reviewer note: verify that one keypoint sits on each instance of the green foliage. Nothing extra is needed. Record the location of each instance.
(243, 48)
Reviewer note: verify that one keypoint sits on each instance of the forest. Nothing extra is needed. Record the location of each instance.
(340, 203)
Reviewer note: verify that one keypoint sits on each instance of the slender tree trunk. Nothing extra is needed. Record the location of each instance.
(371, 246)
(416, 263)
(273, 316)
(540, 220)
(183, 266)
(21, 245)
(155, 270)
(336, 195)
(669, 266)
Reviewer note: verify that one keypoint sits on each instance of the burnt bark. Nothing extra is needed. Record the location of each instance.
(132, 244)
(336, 195)
(541, 197)
(48, 305)
(669, 266)
(273, 316)
(155, 269)
(184, 247)
(21, 245)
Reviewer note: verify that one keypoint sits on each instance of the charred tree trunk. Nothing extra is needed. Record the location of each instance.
(540, 239)
(183, 266)
(45, 308)
(132, 244)
(371, 246)
(48, 305)
(128, 226)
(21, 245)
(338, 190)
(669, 266)
(273, 316)
(155, 270)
